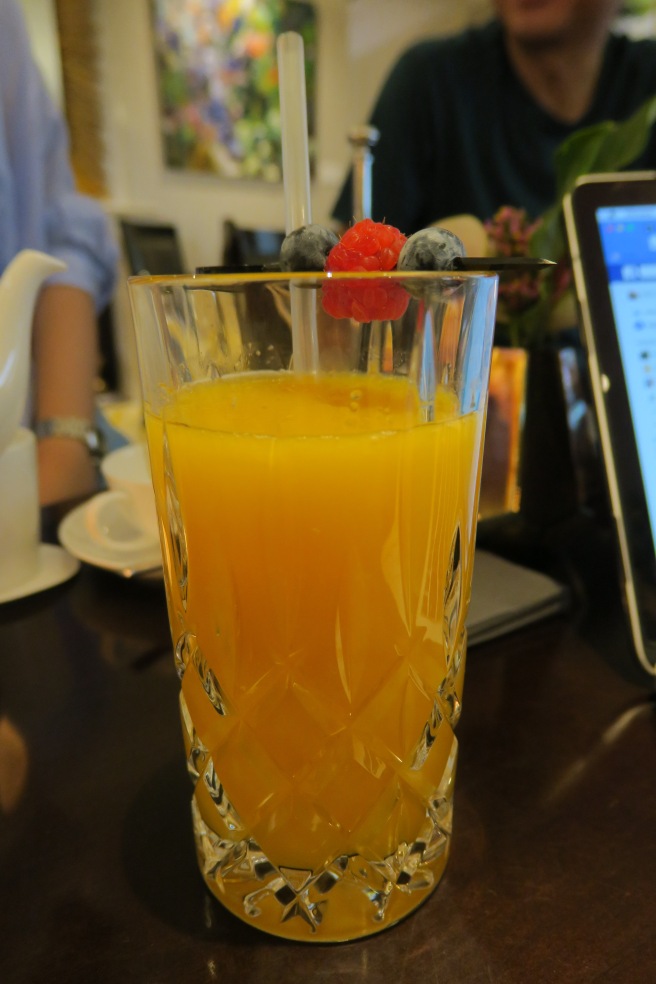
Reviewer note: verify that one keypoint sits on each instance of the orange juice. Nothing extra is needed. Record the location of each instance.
(318, 550)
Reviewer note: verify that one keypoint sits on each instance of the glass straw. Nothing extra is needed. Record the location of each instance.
(296, 179)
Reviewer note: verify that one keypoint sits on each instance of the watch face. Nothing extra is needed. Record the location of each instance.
(95, 442)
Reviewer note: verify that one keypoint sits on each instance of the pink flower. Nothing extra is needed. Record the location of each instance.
(509, 232)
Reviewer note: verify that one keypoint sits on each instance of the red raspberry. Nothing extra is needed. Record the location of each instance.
(365, 300)
(367, 245)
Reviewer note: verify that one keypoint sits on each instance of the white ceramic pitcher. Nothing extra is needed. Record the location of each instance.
(19, 286)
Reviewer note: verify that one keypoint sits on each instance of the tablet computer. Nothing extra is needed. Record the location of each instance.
(611, 228)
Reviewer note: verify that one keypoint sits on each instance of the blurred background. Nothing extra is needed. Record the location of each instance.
(101, 62)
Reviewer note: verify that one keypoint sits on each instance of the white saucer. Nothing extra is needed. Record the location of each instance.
(74, 535)
(55, 567)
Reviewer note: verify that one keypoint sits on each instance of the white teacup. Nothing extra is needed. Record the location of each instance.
(124, 517)
(19, 511)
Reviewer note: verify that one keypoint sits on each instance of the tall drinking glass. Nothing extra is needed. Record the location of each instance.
(315, 444)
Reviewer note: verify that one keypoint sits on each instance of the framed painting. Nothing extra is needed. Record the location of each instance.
(217, 81)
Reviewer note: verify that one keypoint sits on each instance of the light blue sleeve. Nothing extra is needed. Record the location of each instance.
(39, 206)
(78, 232)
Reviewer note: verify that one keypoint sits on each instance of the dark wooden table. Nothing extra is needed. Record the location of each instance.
(552, 877)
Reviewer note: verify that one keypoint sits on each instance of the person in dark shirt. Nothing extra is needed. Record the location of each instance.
(471, 122)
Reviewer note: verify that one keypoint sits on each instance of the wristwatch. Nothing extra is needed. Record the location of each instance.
(76, 428)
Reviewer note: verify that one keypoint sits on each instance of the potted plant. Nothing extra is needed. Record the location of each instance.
(537, 312)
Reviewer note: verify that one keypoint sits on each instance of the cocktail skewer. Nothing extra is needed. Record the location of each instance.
(500, 264)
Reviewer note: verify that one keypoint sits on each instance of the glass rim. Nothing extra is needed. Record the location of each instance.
(310, 278)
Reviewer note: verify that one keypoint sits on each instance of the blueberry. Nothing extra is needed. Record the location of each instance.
(430, 249)
(306, 248)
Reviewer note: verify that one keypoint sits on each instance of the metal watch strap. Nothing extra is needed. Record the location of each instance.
(76, 428)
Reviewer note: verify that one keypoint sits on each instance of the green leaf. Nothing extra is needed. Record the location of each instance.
(630, 139)
(548, 240)
(579, 153)
(603, 147)
(638, 7)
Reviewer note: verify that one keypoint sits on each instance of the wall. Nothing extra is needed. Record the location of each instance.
(41, 22)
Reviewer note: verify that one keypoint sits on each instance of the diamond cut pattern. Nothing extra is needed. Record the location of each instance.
(244, 863)
(379, 810)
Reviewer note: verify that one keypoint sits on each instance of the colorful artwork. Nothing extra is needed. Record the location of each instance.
(218, 82)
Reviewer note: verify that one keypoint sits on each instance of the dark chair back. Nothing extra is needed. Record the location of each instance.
(152, 248)
(250, 247)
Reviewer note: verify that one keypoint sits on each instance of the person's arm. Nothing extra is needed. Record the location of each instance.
(66, 364)
(48, 214)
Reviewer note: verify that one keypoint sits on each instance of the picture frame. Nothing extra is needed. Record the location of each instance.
(217, 81)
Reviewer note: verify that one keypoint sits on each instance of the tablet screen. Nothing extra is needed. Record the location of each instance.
(628, 238)
(611, 228)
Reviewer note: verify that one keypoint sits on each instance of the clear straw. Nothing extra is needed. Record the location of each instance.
(293, 114)
(296, 178)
